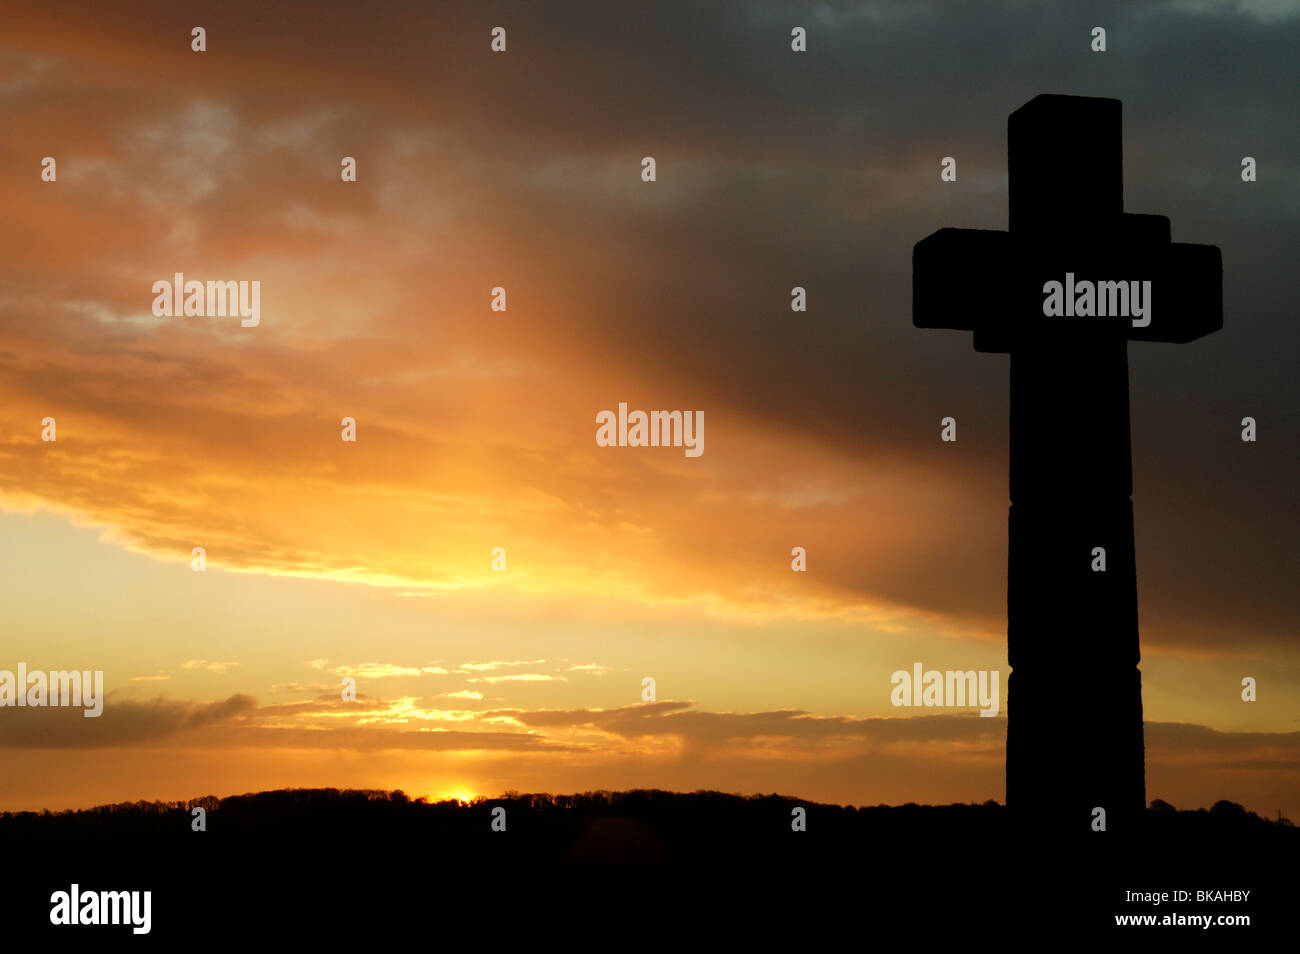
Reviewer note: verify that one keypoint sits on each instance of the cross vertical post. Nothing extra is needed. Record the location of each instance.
(1074, 696)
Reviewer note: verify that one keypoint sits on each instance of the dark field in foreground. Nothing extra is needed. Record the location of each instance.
(307, 850)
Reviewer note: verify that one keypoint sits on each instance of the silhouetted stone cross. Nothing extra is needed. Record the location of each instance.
(1074, 698)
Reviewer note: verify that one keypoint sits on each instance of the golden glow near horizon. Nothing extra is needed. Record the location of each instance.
(463, 795)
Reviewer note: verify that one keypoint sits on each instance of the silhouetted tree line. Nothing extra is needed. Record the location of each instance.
(649, 820)
(276, 852)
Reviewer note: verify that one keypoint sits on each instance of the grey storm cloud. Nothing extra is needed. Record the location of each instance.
(123, 722)
(822, 170)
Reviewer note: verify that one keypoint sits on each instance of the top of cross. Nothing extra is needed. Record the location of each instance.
(1065, 164)
(1066, 186)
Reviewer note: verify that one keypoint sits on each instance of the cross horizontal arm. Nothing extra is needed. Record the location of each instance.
(992, 283)
(1187, 294)
(947, 265)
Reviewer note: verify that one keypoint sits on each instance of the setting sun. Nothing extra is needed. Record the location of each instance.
(458, 794)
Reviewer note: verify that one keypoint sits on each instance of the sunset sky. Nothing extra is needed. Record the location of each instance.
(476, 428)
